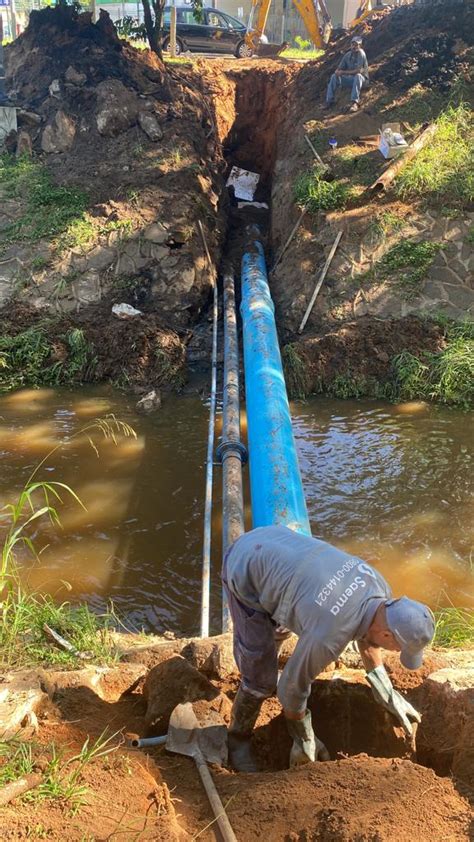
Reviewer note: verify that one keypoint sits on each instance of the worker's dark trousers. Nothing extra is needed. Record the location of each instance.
(255, 644)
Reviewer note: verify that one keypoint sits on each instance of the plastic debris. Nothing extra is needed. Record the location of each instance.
(244, 183)
(125, 311)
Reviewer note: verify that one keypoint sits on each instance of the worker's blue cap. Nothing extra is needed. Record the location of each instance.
(413, 626)
(356, 39)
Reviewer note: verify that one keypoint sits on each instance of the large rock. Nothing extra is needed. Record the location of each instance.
(58, 135)
(117, 108)
(172, 683)
(109, 683)
(75, 77)
(21, 696)
(211, 655)
(150, 125)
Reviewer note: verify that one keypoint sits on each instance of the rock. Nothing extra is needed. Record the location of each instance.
(172, 683)
(55, 89)
(150, 125)
(150, 402)
(21, 696)
(28, 118)
(109, 683)
(152, 656)
(156, 233)
(117, 108)
(24, 146)
(74, 76)
(100, 258)
(125, 311)
(58, 135)
(211, 655)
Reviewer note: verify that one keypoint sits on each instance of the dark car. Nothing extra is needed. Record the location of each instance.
(216, 32)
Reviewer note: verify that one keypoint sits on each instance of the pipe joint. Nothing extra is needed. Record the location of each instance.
(231, 448)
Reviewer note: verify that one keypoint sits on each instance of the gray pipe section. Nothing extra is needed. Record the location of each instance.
(231, 451)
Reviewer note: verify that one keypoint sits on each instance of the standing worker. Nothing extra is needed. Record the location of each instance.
(352, 72)
(279, 581)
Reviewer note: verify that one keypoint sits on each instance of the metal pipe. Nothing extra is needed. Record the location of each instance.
(275, 480)
(136, 742)
(206, 552)
(231, 451)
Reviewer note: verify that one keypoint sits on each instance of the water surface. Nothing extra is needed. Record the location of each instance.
(391, 484)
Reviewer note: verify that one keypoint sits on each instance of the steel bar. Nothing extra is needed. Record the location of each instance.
(206, 554)
(320, 282)
(275, 480)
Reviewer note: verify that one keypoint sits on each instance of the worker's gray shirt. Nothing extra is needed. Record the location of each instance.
(324, 595)
(355, 61)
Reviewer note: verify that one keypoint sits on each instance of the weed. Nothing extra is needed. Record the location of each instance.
(383, 225)
(38, 263)
(407, 262)
(295, 371)
(49, 210)
(444, 169)
(28, 359)
(419, 105)
(313, 192)
(360, 169)
(470, 236)
(454, 627)
(410, 375)
(80, 233)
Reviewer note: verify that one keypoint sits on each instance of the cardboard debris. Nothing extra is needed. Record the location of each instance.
(244, 183)
(391, 142)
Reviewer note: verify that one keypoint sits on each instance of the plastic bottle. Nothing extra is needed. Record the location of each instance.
(333, 143)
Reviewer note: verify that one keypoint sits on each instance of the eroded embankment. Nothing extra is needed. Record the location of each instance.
(382, 793)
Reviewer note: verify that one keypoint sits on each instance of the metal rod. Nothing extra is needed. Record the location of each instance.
(320, 282)
(206, 553)
(136, 742)
(313, 150)
(231, 450)
(275, 480)
(290, 238)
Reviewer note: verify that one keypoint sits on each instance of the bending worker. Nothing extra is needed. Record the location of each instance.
(279, 581)
(352, 72)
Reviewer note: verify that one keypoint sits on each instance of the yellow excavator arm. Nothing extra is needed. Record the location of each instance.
(314, 13)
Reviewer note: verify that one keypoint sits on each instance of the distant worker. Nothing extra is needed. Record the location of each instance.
(279, 581)
(352, 72)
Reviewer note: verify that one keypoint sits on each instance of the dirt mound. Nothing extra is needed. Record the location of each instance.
(430, 61)
(346, 801)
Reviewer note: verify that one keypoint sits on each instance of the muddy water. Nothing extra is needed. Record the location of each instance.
(388, 483)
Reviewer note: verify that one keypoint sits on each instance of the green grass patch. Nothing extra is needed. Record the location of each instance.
(454, 628)
(313, 192)
(296, 52)
(49, 210)
(383, 225)
(419, 105)
(446, 376)
(28, 359)
(295, 370)
(444, 170)
(407, 263)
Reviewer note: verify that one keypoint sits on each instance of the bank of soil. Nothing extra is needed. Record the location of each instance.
(373, 788)
(149, 150)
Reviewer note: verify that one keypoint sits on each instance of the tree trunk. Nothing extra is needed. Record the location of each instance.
(151, 30)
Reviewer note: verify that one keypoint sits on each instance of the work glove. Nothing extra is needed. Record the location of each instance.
(306, 747)
(385, 694)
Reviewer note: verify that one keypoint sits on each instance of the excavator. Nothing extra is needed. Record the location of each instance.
(315, 15)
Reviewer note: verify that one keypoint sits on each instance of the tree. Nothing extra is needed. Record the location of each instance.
(153, 14)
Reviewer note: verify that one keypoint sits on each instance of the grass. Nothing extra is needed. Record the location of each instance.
(446, 376)
(313, 192)
(295, 371)
(306, 53)
(443, 172)
(28, 359)
(62, 778)
(407, 263)
(383, 225)
(48, 210)
(454, 628)
(23, 639)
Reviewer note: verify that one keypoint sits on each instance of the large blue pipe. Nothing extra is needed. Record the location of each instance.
(275, 480)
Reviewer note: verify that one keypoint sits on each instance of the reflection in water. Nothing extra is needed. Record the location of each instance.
(392, 484)
(388, 483)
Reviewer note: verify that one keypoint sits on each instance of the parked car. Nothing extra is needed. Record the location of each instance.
(216, 32)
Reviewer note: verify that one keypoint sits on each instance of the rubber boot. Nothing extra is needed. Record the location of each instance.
(244, 715)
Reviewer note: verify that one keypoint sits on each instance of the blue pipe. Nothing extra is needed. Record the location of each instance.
(275, 480)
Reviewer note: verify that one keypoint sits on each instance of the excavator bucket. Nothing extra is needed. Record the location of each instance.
(270, 50)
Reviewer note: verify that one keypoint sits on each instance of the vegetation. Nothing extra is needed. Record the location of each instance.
(446, 376)
(407, 262)
(295, 370)
(384, 224)
(49, 210)
(454, 628)
(444, 170)
(30, 358)
(303, 50)
(23, 639)
(313, 192)
(62, 778)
